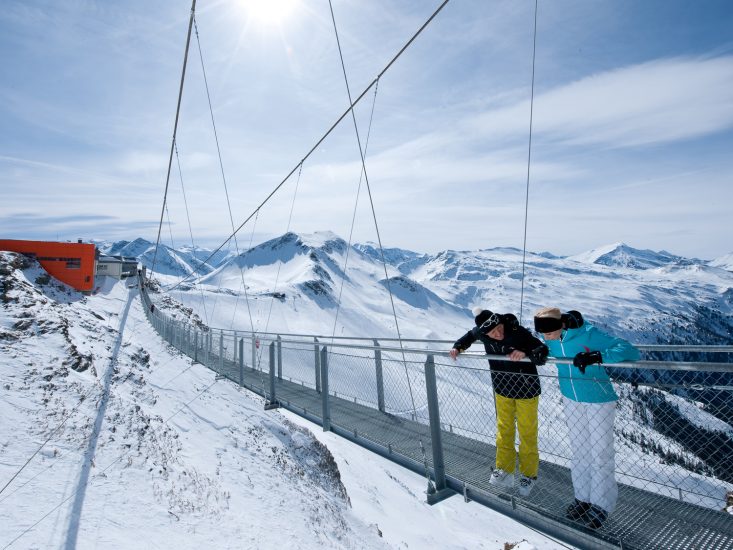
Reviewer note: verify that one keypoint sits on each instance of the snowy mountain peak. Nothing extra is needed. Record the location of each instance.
(622, 255)
(135, 248)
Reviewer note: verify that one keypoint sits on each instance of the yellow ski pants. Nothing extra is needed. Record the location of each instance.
(524, 412)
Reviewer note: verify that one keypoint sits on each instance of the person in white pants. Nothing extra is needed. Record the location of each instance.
(590, 404)
(590, 429)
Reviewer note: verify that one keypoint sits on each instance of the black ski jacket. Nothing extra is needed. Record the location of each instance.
(512, 379)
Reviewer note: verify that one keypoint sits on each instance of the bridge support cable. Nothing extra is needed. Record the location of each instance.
(326, 134)
(287, 230)
(173, 244)
(277, 275)
(221, 168)
(243, 286)
(353, 216)
(175, 130)
(431, 486)
(529, 163)
(256, 359)
(190, 230)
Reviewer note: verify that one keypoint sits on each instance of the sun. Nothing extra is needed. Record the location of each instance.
(269, 12)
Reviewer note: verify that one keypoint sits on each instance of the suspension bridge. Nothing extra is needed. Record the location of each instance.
(415, 407)
(358, 389)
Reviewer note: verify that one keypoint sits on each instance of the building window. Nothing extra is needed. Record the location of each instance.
(73, 263)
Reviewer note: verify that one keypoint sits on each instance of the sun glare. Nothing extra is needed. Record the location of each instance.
(269, 12)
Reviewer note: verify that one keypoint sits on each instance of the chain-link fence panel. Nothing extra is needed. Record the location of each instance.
(404, 385)
(301, 363)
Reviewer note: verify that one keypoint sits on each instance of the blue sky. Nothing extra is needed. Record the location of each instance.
(632, 131)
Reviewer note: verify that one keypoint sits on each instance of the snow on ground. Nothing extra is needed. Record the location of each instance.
(393, 499)
(130, 445)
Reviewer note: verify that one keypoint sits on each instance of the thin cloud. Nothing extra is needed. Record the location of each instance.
(660, 101)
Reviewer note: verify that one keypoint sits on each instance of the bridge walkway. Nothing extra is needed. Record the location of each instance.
(642, 520)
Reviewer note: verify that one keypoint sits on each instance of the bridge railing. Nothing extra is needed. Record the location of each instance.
(673, 427)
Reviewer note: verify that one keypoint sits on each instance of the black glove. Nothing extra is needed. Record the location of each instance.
(585, 358)
(538, 355)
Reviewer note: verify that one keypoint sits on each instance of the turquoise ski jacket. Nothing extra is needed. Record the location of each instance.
(595, 385)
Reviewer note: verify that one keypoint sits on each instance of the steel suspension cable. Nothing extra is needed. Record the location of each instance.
(371, 200)
(251, 241)
(175, 129)
(328, 132)
(258, 357)
(529, 163)
(353, 216)
(173, 244)
(379, 238)
(223, 176)
(190, 230)
(279, 265)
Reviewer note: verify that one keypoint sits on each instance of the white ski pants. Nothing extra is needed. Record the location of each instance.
(590, 428)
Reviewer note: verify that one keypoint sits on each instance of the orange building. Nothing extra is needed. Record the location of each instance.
(71, 263)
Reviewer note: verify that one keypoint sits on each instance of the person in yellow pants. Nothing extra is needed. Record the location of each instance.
(524, 412)
(516, 391)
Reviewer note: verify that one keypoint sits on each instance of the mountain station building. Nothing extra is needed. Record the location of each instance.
(75, 264)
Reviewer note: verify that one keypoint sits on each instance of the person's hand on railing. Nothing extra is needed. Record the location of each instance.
(585, 358)
(454, 353)
(538, 355)
(516, 355)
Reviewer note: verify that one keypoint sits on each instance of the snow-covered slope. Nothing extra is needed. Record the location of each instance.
(168, 261)
(725, 262)
(317, 284)
(136, 447)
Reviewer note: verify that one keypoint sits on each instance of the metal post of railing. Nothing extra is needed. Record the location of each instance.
(317, 364)
(439, 491)
(279, 357)
(241, 361)
(208, 346)
(272, 403)
(380, 378)
(234, 348)
(221, 352)
(254, 350)
(195, 344)
(324, 390)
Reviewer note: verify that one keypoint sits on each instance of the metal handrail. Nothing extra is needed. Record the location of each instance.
(654, 365)
(713, 348)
